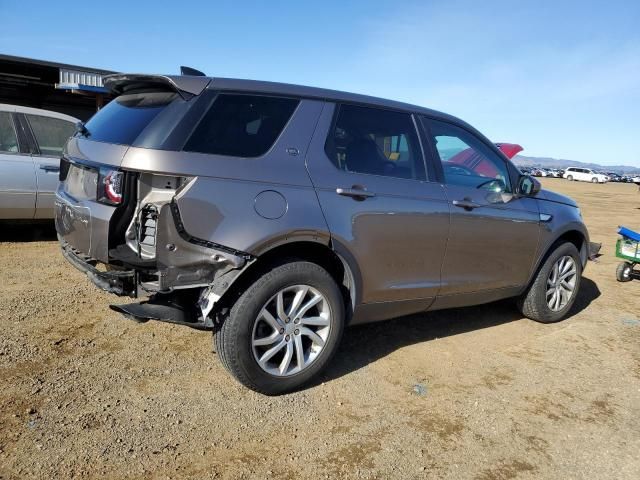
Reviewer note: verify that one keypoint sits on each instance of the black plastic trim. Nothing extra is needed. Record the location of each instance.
(119, 282)
(26, 138)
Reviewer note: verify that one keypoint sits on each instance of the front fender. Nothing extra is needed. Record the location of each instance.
(565, 223)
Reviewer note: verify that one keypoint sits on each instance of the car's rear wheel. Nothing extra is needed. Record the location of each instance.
(284, 329)
(555, 287)
(570, 178)
(594, 180)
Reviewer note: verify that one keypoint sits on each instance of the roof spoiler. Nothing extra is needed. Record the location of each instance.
(187, 86)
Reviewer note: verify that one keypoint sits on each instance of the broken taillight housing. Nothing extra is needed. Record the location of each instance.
(110, 186)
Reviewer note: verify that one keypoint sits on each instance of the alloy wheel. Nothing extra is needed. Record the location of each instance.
(561, 283)
(291, 330)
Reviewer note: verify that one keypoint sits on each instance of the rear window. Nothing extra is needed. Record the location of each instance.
(241, 125)
(126, 118)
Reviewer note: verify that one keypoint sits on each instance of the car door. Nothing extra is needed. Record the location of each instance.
(17, 175)
(494, 232)
(383, 211)
(584, 174)
(50, 134)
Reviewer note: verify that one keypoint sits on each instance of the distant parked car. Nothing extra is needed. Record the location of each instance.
(31, 142)
(585, 175)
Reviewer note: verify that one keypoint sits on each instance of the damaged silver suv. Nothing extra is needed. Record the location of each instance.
(275, 215)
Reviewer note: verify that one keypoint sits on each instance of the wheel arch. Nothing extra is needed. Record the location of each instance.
(572, 235)
(340, 268)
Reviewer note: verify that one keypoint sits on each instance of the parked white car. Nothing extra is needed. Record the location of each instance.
(584, 175)
(31, 142)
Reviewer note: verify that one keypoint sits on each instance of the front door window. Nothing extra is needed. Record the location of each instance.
(468, 162)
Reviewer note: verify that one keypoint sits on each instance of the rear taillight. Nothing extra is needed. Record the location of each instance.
(110, 186)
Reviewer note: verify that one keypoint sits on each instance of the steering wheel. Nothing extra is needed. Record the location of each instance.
(455, 169)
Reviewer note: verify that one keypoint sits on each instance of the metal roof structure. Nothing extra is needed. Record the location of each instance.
(61, 87)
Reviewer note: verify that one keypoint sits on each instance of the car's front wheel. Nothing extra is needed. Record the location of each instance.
(555, 287)
(594, 180)
(570, 178)
(284, 329)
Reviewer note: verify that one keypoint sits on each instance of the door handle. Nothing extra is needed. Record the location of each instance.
(466, 204)
(357, 193)
(50, 168)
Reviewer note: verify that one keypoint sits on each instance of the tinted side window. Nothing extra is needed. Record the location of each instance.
(241, 125)
(8, 140)
(466, 160)
(375, 141)
(51, 133)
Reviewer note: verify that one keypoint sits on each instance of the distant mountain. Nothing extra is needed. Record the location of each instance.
(547, 162)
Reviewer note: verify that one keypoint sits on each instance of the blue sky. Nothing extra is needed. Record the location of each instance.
(562, 78)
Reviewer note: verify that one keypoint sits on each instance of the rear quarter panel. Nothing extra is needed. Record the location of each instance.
(249, 204)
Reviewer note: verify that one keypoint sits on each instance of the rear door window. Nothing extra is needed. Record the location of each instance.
(51, 133)
(8, 140)
(375, 141)
(241, 125)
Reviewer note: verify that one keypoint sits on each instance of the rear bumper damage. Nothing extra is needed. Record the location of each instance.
(183, 282)
(118, 282)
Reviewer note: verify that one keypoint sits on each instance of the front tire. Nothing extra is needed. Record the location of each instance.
(555, 287)
(594, 180)
(284, 329)
(570, 178)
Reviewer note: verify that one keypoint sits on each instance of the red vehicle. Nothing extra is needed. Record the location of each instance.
(475, 162)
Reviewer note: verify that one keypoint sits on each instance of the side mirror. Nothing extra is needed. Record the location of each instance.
(528, 186)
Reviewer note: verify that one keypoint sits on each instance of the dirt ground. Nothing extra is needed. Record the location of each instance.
(477, 393)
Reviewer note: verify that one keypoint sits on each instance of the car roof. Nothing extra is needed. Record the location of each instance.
(194, 85)
(276, 88)
(5, 107)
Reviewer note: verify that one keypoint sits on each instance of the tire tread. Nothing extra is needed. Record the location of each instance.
(225, 336)
(532, 303)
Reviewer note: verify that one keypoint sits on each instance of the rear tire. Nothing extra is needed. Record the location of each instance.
(623, 272)
(264, 319)
(594, 180)
(546, 299)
